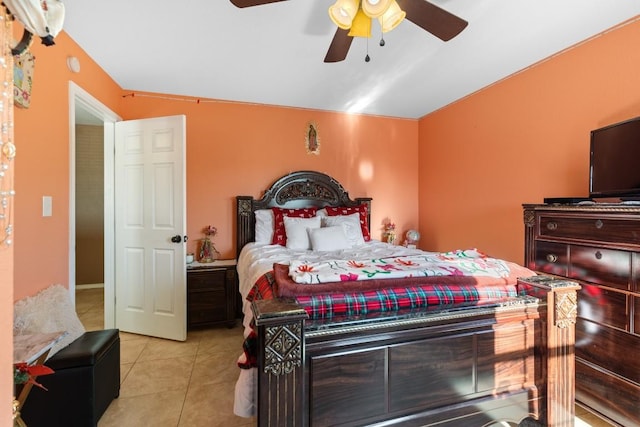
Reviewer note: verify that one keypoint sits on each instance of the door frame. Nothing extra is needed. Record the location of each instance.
(80, 97)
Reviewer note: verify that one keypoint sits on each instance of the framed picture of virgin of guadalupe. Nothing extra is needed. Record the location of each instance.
(312, 139)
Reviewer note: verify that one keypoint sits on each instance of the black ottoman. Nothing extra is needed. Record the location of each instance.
(86, 380)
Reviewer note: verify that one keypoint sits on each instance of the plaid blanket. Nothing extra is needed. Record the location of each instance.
(334, 305)
(385, 300)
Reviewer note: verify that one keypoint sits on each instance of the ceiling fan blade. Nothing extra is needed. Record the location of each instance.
(339, 46)
(433, 19)
(250, 3)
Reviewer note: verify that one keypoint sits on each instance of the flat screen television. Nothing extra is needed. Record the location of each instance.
(614, 169)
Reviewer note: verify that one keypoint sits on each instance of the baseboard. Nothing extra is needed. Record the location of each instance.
(90, 286)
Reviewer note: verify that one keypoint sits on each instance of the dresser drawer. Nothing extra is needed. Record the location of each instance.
(636, 315)
(604, 306)
(635, 262)
(609, 395)
(610, 348)
(592, 227)
(552, 258)
(602, 266)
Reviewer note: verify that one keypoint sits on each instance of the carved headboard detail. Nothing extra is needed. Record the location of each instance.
(295, 190)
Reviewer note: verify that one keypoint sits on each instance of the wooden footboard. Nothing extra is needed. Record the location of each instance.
(510, 361)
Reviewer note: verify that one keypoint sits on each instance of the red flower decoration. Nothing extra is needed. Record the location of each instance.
(26, 374)
(304, 268)
(210, 231)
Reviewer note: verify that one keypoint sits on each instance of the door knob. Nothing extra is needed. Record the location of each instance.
(176, 239)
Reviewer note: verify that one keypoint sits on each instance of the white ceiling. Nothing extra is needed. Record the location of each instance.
(273, 54)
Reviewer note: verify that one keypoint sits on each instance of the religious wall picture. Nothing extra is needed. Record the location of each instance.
(312, 139)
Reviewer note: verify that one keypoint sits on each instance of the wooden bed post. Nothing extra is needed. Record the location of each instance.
(280, 325)
(245, 228)
(558, 355)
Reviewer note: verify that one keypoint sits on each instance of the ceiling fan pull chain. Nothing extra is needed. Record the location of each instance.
(382, 42)
(366, 58)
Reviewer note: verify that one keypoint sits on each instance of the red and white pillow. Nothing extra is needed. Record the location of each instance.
(348, 210)
(279, 232)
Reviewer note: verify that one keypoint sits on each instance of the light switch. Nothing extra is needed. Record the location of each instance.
(47, 206)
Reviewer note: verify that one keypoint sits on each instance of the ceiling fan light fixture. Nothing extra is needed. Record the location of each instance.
(392, 17)
(361, 25)
(375, 8)
(343, 12)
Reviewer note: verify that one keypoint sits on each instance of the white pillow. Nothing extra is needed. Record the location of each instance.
(322, 213)
(329, 238)
(351, 224)
(296, 230)
(264, 226)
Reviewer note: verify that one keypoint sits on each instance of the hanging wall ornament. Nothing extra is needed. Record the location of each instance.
(23, 66)
(7, 147)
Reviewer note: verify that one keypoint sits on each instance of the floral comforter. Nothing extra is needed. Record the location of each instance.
(469, 262)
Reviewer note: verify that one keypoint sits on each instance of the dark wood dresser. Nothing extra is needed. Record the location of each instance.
(211, 293)
(599, 246)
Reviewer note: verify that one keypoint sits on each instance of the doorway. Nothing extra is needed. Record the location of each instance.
(89, 213)
(91, 177)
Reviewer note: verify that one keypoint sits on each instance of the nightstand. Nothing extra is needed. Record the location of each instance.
(211, 293)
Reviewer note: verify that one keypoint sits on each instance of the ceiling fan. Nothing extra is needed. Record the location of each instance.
(425, 15)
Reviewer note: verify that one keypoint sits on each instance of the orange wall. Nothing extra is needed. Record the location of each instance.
(42, 163)
(520, 140)
(232, 149)
(240, 149)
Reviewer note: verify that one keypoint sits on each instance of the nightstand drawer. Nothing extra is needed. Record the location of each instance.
(211, 293)
(596, 228)
(206, 279)
(207, 306)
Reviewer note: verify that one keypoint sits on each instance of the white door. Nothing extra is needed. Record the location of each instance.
(150, 218)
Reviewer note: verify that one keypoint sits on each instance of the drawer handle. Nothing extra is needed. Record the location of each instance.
(599, 224)
(598, 255)
(552, 258)
(552, 225)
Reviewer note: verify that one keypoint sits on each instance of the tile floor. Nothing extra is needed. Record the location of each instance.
(169, 383)
(184, 384)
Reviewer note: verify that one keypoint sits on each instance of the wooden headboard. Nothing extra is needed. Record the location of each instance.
(295, 190)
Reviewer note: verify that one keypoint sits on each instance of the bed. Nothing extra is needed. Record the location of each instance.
(503, 357)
